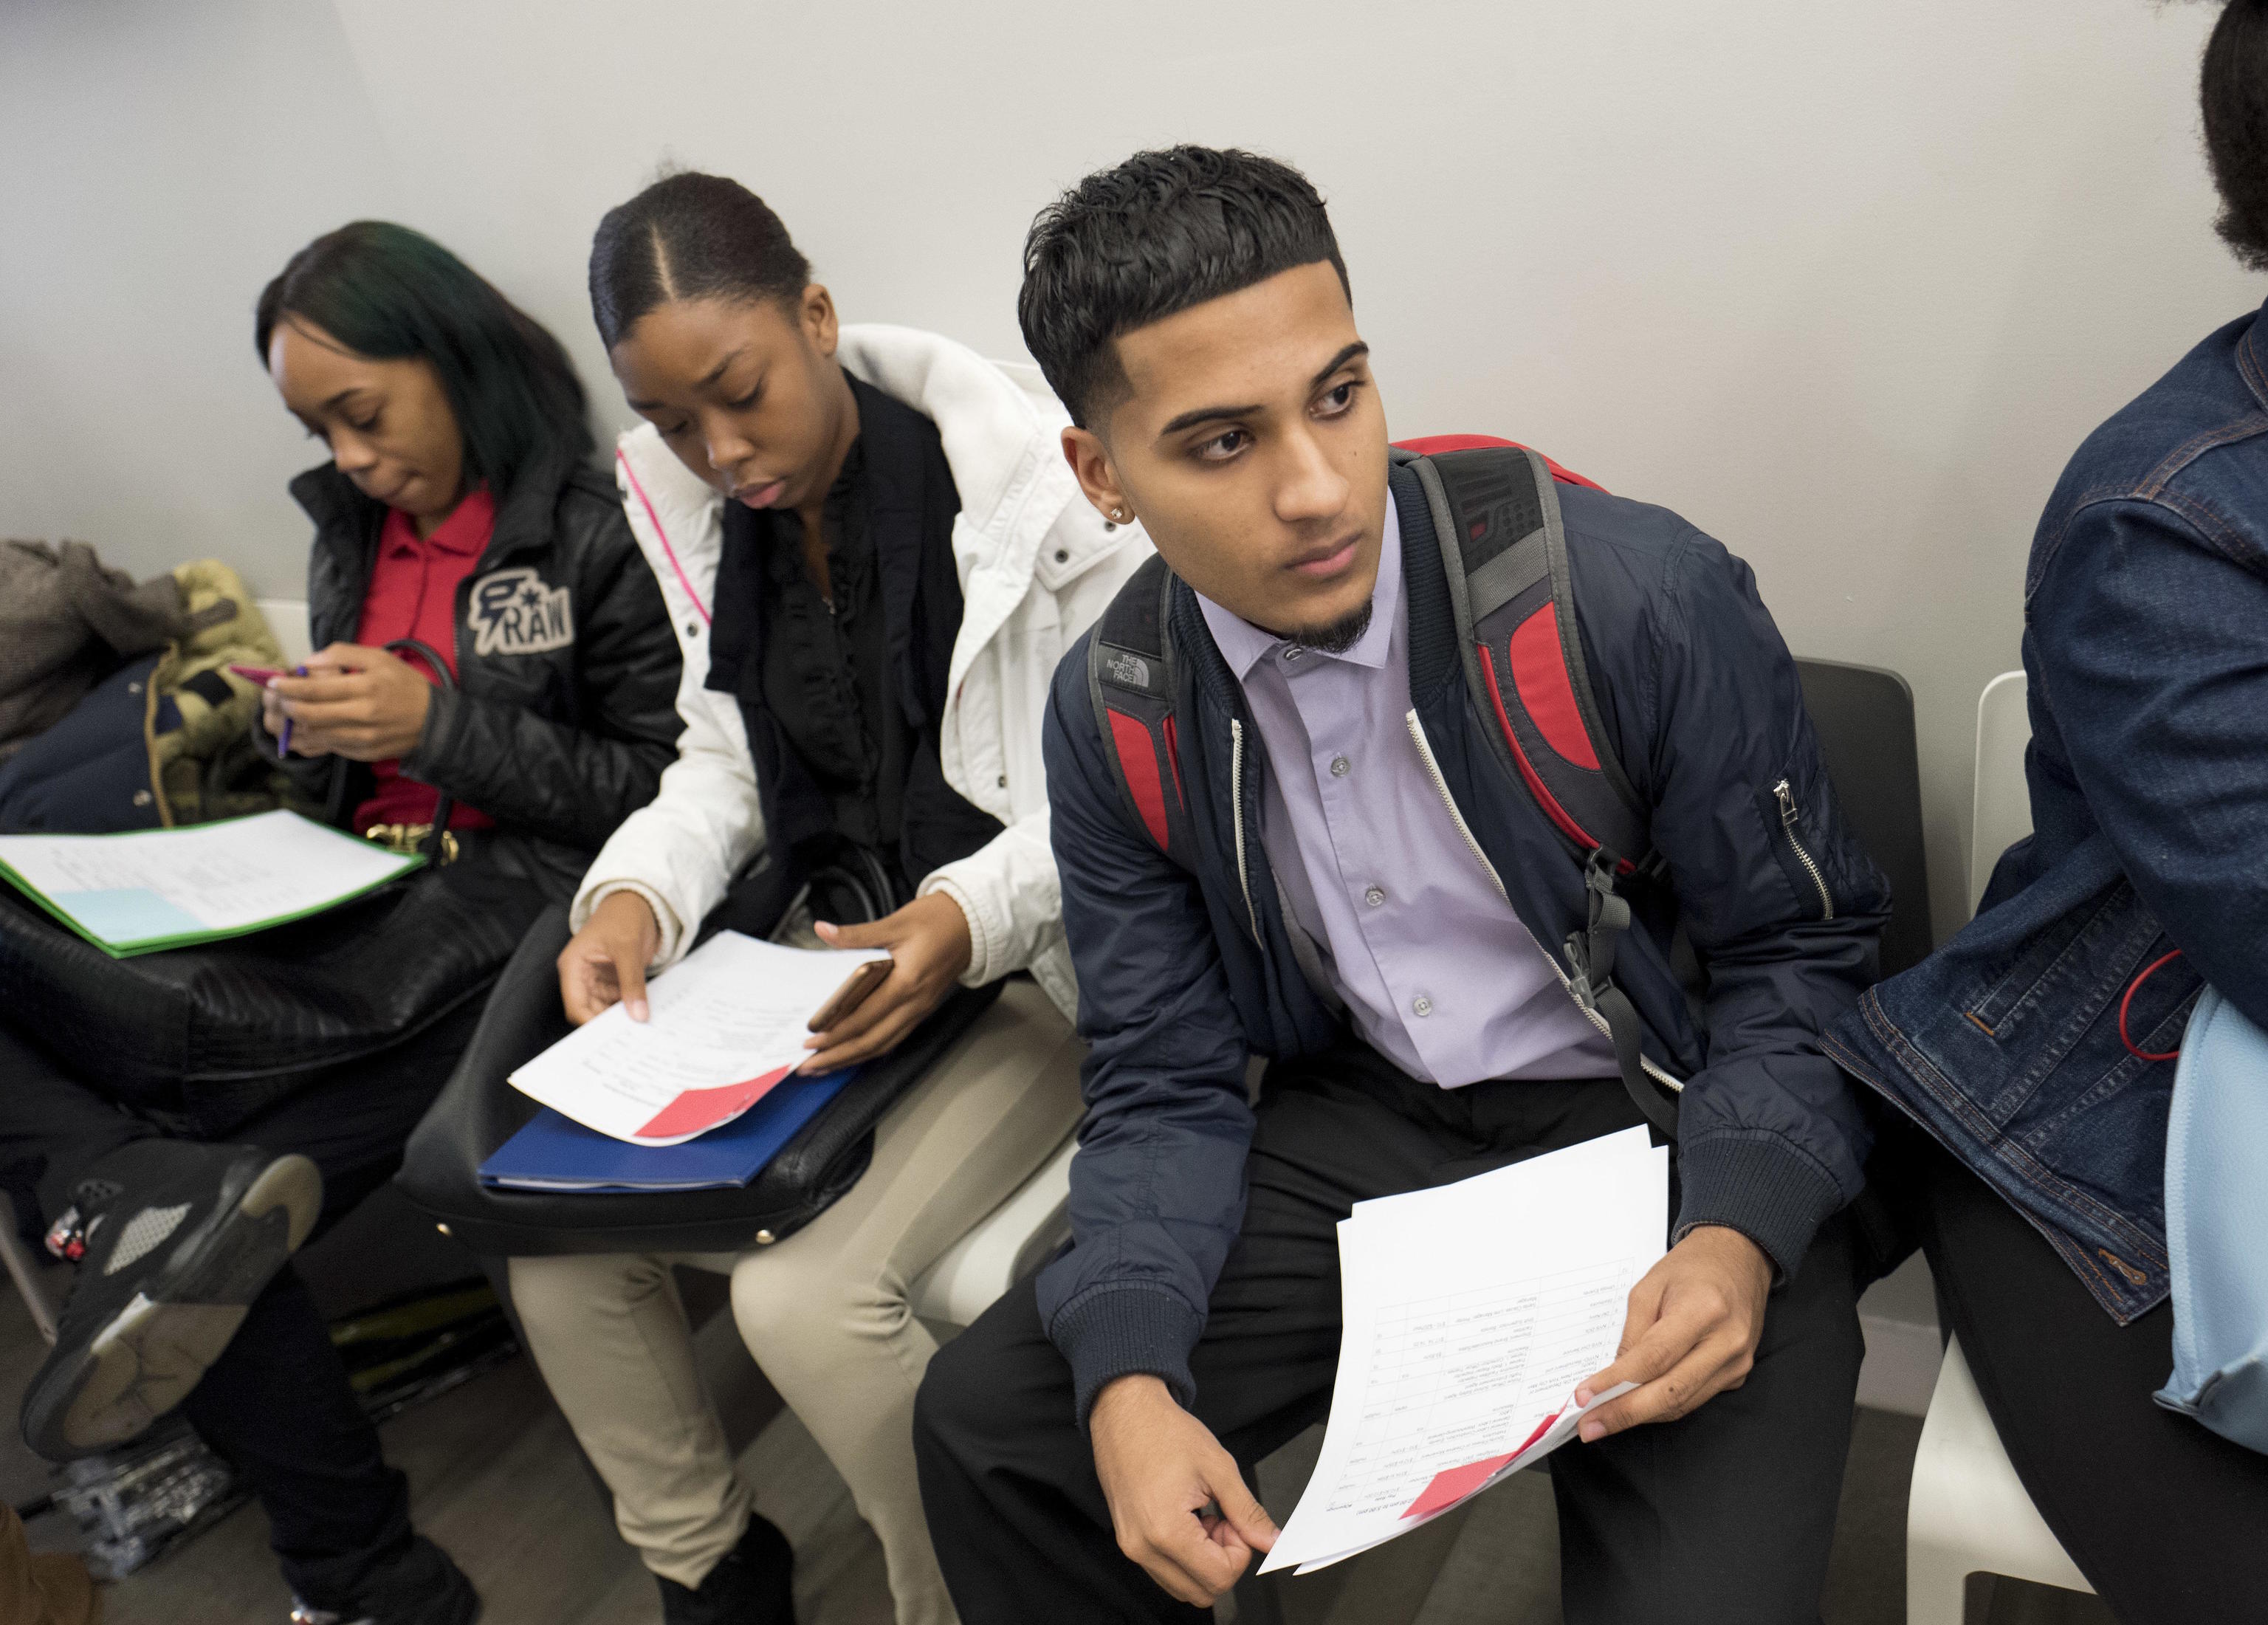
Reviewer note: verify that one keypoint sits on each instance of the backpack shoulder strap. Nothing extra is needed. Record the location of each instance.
(1496, 518)
(1130, 669)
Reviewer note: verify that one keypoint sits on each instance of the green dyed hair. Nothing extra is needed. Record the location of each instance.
(385, 291)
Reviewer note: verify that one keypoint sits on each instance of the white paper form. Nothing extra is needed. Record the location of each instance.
(159, 887)
(727, 1023)
(1470, 1313)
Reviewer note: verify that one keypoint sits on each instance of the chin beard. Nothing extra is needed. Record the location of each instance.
(1337, 637)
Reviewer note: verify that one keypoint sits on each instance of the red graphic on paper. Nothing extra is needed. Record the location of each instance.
(1452, 1485)
(696, 1109)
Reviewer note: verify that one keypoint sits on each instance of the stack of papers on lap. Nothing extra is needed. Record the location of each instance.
(554, 1153)
(1470, 1313)
(171, 888)
(728, 1024)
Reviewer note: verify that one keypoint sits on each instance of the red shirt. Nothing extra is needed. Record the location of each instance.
(413, 593)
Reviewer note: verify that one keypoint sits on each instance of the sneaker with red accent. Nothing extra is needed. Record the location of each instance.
(173, 1240)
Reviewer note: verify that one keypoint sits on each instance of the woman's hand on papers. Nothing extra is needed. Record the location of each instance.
(356, 703)
(605, 962)
(929, 948)
(1690, 1333)
(1177, 1501)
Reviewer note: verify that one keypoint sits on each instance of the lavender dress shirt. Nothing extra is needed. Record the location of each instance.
(1435, 968)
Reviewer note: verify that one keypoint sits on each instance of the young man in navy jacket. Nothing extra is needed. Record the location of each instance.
(1374, 904)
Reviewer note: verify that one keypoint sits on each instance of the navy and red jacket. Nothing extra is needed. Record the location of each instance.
(1700, 700)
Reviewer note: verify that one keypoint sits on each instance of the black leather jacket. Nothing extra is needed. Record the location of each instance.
(565, 712)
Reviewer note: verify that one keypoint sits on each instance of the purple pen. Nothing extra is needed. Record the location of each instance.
(284, 740)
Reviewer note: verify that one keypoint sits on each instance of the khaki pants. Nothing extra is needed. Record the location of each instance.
(825, 1313)
(46, 1588)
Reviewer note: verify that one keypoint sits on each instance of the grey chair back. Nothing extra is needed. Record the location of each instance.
(1865, 719)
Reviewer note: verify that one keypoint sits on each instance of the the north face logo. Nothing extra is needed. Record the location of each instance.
(514, 614)
(1130, 670)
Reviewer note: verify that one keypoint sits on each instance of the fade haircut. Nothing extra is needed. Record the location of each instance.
(2233, 92)
(1148, 239)
(689, 235)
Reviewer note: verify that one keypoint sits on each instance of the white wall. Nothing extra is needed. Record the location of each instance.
(1843, 283)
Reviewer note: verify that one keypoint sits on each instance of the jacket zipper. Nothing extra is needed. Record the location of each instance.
(1788, 822)
(1236, 808)
(1457, 817)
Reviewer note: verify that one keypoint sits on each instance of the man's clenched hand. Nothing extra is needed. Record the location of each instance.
(1176, 1499)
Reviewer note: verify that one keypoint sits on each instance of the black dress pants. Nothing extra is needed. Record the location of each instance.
(2164, 1518)
(278, 1403)
(1726, 1515)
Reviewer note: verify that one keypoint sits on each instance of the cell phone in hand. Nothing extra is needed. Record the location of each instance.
(261, 674)
(850, 995)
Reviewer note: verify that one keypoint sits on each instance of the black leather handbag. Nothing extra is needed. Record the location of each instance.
(479, 1111)
(200, 1038)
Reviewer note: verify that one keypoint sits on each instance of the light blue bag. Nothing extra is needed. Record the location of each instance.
(2217, 1224)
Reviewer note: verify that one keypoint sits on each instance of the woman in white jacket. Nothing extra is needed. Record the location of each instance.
(875, 555)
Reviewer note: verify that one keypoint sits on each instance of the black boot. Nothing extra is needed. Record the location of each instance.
(753, 1583)
(421, 1587)
(173, 1240)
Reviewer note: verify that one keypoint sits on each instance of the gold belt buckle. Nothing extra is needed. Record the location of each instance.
(407, 839)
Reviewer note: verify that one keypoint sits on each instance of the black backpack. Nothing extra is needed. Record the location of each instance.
(1496, 518)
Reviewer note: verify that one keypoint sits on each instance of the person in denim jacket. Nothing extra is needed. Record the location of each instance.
(2035, 1047)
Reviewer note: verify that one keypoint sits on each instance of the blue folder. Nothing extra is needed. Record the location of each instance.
(557, 1153)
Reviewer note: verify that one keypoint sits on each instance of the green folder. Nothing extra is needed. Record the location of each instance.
(145, 889)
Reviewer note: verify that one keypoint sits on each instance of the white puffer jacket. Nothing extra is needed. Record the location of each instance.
(1036, 567)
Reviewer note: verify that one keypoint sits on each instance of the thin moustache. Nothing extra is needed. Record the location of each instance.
(1317, 554)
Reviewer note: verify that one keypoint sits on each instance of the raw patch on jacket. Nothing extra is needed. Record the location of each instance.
(514, 614)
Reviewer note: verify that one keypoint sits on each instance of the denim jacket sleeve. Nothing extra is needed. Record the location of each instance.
(1157, 1188)
(2151, 643)
(1784, 909)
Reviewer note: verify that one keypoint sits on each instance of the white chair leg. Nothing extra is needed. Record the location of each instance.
(25, 1273)
(1937, 1585)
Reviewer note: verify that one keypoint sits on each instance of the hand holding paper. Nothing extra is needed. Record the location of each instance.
(1694, 1323)
(1471, 1312)
(728, 1024)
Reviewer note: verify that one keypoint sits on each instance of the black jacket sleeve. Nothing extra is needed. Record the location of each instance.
(1783, 906)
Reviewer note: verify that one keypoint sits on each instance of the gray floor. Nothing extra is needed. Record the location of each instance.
(496, 1479)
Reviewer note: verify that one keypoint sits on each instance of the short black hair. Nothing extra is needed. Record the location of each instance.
(1147, 239)
(2234, 91)
(689, 235)
(385, 291)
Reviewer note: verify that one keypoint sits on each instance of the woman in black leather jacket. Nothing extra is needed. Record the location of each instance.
(494, 685)
(562, 715)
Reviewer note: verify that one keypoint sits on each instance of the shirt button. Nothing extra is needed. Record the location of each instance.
(1422, 1005)
(1341, 767)
(1063, 555)
(1004, 781)
(1291, 653)
(1374, 896)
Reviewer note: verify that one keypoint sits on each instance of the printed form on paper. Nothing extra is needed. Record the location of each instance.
(728, 1022)
(1471, 1312)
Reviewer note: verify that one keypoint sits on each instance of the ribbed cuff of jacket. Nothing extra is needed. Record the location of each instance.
(986, 937)
(1759, 1185)
(1123, 1331)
